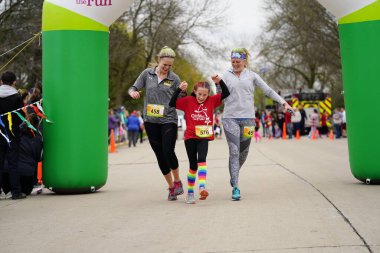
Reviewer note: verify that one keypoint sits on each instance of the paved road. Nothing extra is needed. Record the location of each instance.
(297, 196)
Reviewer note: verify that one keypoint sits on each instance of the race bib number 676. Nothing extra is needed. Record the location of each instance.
(203, 131)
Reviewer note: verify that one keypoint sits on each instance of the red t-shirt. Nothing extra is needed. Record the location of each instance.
(323, 120)
(199, 117)
(288, 117)
(268, 121)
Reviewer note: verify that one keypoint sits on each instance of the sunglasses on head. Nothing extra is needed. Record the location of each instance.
(236, 55)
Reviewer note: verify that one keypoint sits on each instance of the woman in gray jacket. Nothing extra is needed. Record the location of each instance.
(160, 119)
(239, 112)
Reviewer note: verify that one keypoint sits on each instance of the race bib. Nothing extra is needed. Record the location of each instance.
(203, 131)
(248, 131)
(168, 83)
(153, 110)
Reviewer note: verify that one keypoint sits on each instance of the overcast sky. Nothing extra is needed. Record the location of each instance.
(245, 16)
(244, 22)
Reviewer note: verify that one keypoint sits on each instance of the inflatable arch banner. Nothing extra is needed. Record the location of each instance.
(359, 31)
(75, 87)
(75, 35)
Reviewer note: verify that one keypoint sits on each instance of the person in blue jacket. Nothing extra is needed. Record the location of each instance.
(133, 126)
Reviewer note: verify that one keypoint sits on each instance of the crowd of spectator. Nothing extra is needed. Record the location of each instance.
(127, 127)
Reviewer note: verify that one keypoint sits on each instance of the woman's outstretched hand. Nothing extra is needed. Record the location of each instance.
(288, 108)
(216, 79)
(183, 86)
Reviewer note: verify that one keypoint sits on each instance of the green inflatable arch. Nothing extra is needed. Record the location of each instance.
(75, 35)
(75, 87)
(359, 30)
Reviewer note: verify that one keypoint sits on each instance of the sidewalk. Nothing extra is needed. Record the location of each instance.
(297, 196)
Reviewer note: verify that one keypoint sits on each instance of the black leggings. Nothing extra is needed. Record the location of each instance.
(196, 151)
(162, 139)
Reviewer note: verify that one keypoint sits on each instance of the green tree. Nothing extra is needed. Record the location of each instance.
(126, 62)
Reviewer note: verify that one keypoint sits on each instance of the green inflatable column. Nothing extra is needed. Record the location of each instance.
(75, 95)
(359, 29)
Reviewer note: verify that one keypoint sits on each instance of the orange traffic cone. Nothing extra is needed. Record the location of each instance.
(112, 146)
(331, 135)
(284, 131)
(39, 173)
(298, 135)
(314, 137)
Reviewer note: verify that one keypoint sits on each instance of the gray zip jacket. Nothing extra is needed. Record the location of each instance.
(158, 94)
(240, 103)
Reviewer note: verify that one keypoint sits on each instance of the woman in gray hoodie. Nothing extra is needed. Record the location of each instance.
(239, 112)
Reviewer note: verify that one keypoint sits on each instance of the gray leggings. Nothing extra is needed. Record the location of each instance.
(237, 144)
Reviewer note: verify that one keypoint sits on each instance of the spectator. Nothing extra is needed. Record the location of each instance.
(112, 124)
(217, 126)
(24, 95)
(133, 126)
(337, 123)
(30, 151)
(141, 129)
(35, 95)
(262, 118)
(10, 100)
(289, 125)
(303, 119)
(324, 129)
(343, 126)
(257, 127)
(314, 122)
(268, 124)
(296, 120)
(280, 119)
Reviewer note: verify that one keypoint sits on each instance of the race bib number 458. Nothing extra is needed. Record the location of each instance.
(203, 131)
(153, 110)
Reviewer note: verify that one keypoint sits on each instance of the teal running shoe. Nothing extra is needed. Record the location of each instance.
(235, 193)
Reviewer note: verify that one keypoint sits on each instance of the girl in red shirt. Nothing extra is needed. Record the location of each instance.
(199, 110)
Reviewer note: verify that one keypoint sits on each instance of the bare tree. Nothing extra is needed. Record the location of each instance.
(301, 45)
(171, 22)
(151, 24)
(20, 21)
(135, 38)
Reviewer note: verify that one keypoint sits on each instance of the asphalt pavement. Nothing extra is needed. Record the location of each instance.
(297, 196)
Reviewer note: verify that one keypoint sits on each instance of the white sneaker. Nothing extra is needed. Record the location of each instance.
(37, 189)
(5, 196)
(190, 198)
